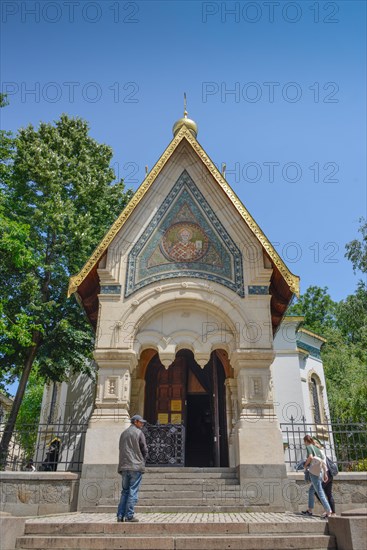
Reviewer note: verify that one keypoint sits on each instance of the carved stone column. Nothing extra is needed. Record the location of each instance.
(111, 412)
(259, 445)
(137, 396)
(99, 478)
(232, 415)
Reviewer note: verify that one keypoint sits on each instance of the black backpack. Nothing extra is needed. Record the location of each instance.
(332, 467)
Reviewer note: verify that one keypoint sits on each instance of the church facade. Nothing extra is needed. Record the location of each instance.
(188, 299)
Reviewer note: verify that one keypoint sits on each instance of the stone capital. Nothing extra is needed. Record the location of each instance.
(116, 359)
(166, 358)
(202, 359)
(251, 358)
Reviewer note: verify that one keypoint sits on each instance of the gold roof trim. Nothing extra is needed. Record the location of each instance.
(303, 352)
(291, 279)
(76, 280)
(305, 331)
(293, 318)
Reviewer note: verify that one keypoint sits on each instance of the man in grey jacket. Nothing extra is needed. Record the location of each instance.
(133, 453)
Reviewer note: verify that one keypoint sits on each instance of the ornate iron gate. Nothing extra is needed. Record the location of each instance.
(166, 444)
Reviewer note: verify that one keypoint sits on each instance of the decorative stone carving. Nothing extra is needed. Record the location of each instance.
(137, 396)
(113, 385)
(254, 383)
(166, 358)
(256, 387)
(111, 388)
(116, 333)
(126, 380)
(185, 238)
(202, 359)
(232, 401)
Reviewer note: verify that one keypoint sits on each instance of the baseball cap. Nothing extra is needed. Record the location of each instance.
(137, 417)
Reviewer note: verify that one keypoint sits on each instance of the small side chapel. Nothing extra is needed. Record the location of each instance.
(186, 294)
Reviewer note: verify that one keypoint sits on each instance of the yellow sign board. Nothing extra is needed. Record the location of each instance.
(176, 405)
(163, 418)
(176, 418)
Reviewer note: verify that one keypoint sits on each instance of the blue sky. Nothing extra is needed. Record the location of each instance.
(277, 89)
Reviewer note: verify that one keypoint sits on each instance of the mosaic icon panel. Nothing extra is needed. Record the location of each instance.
(184, 239)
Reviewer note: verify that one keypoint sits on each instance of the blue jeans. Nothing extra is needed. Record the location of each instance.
(131, 481)
(316, 485)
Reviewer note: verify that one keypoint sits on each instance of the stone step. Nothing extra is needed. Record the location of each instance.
(167, 474)
(180, 482)
(199, 493)
(179, 508)
(204, 488)
(217, 542)
(186, 498)
(195, 501)
(189, 470)
(207, 528)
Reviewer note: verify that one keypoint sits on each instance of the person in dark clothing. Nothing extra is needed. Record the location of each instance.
(328, 490)
(30, 467)
(52, 456)
(132, 455)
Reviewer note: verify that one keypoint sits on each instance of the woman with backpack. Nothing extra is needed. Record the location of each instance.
(328, 488)
(316, 463)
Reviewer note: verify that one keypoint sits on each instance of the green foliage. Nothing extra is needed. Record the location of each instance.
(357, 250)
(57, 203)
(344, 325)
(58, 197)
(29, 414)
(359, 466)
(3, 100)
(317, 307)
(346, 377)
(351, 318)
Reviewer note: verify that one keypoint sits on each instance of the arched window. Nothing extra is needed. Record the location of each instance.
(316, 401)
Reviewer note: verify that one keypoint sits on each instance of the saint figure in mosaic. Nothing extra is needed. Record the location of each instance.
(184, 242)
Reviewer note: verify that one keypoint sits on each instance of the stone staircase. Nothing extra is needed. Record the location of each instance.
(235, 531)
(184, 490)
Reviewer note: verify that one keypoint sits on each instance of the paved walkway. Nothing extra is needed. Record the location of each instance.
(235, 517)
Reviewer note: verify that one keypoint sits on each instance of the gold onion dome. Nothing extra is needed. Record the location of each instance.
(190, 124)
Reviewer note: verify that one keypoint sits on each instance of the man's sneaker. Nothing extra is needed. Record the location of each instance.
(120, 519)
(133, 519)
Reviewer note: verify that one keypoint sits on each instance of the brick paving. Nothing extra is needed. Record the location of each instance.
(220, 517)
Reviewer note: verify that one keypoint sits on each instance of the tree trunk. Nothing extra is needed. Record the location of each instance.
(10, 424)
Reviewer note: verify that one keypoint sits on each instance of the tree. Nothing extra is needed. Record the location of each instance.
(317, 307)
(29, 414)
(351, 318)
(58, 199)
(346, 377)
(357, 250)
(14, 252)
(344, 325)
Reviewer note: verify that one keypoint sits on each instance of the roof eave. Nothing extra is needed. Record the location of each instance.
(290, 279)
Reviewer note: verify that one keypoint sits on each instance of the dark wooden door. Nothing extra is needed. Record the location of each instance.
(215, 409)
(167, 393)
(171, 393)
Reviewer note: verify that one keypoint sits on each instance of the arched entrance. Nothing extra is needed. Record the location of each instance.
(194, 397)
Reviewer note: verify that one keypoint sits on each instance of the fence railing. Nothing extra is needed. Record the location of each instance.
(166, 444)
(344, 442)
(51, 447)
(45, 447)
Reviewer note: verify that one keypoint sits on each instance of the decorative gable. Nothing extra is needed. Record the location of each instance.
(87, 283)
(185, 239)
